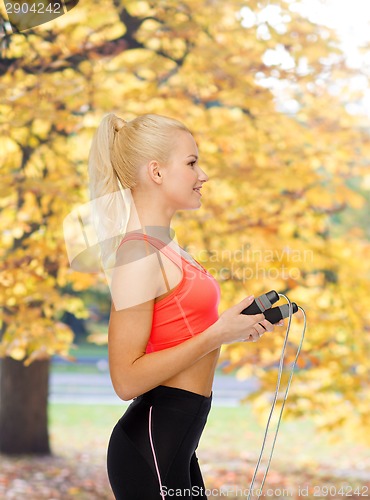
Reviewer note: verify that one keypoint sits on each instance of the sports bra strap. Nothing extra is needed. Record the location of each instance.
(160, 245)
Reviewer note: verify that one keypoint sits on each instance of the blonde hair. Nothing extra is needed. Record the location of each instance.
(118, 150)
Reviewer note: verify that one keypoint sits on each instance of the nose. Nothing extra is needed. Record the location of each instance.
(203, 177)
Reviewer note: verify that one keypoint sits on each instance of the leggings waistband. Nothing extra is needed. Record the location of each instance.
(181, 399)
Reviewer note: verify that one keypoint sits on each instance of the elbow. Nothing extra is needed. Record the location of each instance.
(125, 394)
(125, 391)
(125, 397)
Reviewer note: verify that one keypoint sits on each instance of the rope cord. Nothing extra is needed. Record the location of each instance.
(276, 394)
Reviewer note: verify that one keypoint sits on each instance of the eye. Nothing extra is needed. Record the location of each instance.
(192, 163)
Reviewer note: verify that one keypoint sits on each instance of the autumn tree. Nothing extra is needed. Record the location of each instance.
(276, 177)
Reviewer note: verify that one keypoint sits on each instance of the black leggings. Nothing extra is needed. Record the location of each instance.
(151, 451)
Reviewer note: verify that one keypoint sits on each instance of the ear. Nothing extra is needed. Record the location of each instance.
(155, 172)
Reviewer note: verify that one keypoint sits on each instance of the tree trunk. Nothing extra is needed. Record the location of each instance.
(23, 407)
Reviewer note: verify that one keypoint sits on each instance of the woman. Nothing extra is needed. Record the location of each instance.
(165, 334)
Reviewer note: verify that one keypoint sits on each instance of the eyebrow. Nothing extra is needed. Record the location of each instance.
(195, 156)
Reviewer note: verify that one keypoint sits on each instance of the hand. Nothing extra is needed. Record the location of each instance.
(232, 326)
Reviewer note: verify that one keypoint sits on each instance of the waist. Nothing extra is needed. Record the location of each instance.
(176, 398)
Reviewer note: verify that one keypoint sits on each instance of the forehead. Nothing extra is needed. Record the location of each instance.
(185, 144)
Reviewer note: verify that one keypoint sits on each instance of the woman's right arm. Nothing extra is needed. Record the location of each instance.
(134, 372)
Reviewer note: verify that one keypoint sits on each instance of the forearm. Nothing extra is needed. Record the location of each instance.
(151, 369)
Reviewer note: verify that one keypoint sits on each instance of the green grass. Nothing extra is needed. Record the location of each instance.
(75, 368)
(73, 428)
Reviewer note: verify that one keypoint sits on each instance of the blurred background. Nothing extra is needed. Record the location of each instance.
(277, 96)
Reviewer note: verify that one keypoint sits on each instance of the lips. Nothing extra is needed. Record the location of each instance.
(197, 190)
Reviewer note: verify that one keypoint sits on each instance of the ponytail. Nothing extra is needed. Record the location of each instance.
(109, 213)
(102, 176)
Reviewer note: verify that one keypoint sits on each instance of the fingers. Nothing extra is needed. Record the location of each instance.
(260, 328)
(258, 318)
(256, 332)
(252, 319)
(244, 303)
(269, 327)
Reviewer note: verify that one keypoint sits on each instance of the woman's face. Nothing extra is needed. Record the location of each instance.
(183, 176)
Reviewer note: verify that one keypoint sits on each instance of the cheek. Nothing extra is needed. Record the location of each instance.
(191, 176)
(186, 178)
(181, 181)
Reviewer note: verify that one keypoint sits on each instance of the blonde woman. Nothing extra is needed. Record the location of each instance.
(165, 332)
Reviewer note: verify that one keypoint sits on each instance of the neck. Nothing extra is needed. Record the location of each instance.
(150, 217)
(163, 233)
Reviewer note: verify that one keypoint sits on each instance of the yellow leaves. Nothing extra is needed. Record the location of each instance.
(348, 196)
(74, 490)
(138, 8)
(9, 150)
(304, 405)
(287, 229)
(63, 333)
(362, 370)
(333, 195)
(320, 196)
(324, 300)
(41, 353)
(80, 281)
(366, 182)
(17, 353)
(246, 371)
(19, 289)
(39, 340)
(75, 306)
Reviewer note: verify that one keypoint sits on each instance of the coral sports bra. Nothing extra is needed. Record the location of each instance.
(190, 308)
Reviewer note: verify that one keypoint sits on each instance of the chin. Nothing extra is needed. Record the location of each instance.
(189, 207)
(195, 206)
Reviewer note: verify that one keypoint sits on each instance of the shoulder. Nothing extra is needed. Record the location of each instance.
(135, 278)
(132, 250)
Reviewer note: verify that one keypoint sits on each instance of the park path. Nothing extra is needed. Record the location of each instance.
(97, 389)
